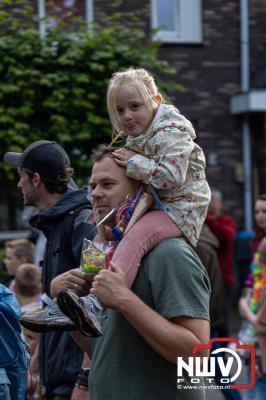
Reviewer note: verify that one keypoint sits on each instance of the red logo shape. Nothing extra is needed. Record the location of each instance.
(238, 346)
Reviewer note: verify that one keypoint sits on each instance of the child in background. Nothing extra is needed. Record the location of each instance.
(252, 307)
(28, 286)
(160, 152)
(17, 252)
(28, 290)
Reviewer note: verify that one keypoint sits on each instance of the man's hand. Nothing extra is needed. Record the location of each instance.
(122, 156)
(74, 279)
(168, 338)
(80, 394)
(111, 287)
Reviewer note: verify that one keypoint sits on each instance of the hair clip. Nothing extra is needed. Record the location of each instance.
(117, 136)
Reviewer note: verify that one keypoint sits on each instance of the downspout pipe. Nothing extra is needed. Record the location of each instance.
(89, 14)
(41, 15)
(245, 85)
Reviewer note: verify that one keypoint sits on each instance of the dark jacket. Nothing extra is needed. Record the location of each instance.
(60, 356)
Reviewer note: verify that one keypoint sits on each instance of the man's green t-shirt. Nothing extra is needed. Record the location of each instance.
(172, 281)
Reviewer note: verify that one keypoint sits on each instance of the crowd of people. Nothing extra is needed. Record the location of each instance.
(169, 277)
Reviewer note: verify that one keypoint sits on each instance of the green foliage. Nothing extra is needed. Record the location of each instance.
(56, 89)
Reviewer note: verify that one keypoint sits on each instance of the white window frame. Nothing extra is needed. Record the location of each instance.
(188, 21)
(89, 14)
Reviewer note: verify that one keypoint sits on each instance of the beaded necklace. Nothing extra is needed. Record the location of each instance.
(256, 281)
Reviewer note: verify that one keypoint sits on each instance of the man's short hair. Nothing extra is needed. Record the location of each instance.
(28, 280)
(22, 248)
(46, 158)
(101, 152)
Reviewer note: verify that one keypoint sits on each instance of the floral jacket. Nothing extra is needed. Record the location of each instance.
(170, 161)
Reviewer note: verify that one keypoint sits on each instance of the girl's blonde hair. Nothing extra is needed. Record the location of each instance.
(139, 78)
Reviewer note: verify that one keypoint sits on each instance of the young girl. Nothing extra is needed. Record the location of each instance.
(160, 152)
(260, 222)
(252, 307)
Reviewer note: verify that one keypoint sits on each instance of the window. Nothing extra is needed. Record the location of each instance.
(179, 21)
(50, 11)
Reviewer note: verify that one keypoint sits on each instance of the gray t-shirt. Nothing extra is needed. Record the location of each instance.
(172, 281)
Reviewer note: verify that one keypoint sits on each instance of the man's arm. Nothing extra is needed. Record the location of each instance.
(84, 343)
(245, 310)
(169, 338)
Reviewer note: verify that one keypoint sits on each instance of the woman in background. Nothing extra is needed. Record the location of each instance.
(260, 222)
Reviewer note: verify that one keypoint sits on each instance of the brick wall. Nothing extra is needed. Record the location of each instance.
(210, 74)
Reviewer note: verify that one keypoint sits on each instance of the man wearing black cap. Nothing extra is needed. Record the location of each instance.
(45, 171)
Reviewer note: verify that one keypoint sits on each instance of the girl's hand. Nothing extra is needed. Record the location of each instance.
(122, 156)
